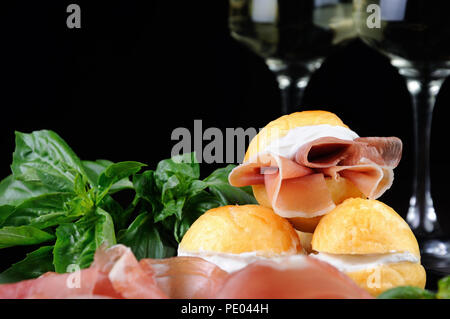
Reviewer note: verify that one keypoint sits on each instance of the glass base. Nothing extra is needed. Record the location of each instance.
(435, 255)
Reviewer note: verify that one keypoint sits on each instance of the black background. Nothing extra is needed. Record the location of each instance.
(117, 87)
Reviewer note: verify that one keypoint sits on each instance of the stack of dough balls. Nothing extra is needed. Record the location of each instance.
(365, 239)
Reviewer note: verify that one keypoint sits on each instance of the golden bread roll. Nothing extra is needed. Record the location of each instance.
(371, 243)
(233, 236)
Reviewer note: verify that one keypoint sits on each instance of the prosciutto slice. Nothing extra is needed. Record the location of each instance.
(185, 277)
(125, 274)
(115, 273)
(298, 278)
(52, 285)
(296, 185)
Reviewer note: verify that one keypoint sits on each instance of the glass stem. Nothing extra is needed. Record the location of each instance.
(292, 90)
(292, 80)
(421, 214)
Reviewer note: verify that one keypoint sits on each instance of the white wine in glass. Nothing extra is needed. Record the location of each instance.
(293, 36)
(415, 35)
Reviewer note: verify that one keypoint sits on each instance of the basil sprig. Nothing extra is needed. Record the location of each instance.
(66, 207)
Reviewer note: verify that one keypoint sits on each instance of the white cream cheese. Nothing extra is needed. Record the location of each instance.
(355, 262)
(234, 262)
(288, 145)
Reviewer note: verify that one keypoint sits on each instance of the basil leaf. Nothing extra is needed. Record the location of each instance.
(174, 187)
(44, 156)
(43, 211)
(184, 167)
(146, 189)
(406, 292)
(172, 207)
(93, 170)
(144, 239)
(22, 235)
(77, 242)
(114, 173)
(228, 195)
(175, 192)
(118, 214)
(13, 192)
(444, 288)
(5, 212)
(104, 229)
(80, 186)
(193, 209)
(34, 265)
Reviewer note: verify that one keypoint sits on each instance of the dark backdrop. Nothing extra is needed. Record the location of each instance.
(117, 87)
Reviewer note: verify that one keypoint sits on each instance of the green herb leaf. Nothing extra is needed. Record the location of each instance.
(228, 195)
(184, 167)
(444, 288)
(34, 265)
(13, 192)
(43, 156)
(93, 170)
(43, 211)
(5, 212)
(104, 229)
(144, 239)
(77, 242)
(114, 173)
(146, 189)
(406, 293)
(172, 207)
(22, 235)
(118, 214)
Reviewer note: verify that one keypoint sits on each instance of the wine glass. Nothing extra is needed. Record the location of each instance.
(415, 36)
(293, 36)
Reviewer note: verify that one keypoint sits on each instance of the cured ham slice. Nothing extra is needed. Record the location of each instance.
(306, 195)
(125, 274)
(384, 151)
(52, 285)
(293, 278)
(372, 180)
(115, 273)
(250, 174)
(296, 187)
(323, 152)
(185, 277)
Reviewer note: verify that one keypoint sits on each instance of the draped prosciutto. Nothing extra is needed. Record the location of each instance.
(185, 277)
(296, 183)
(292, 278)
(116, 273)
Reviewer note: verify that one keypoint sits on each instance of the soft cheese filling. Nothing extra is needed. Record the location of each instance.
(288, 145)
(234, 262)
(355, 262)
